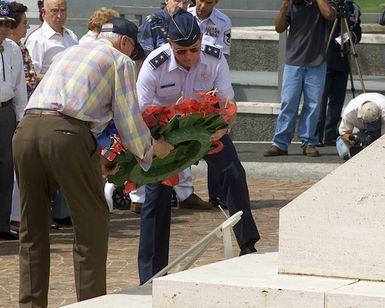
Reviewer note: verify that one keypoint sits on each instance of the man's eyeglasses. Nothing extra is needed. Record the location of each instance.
(181, 52)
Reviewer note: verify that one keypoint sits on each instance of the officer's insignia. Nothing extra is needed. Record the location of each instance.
(227, 37)
(205, 76)
(212, 51)
(159, 60)
(4, 10)
(212, 31)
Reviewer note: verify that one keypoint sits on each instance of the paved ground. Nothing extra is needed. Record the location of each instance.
(268, 195)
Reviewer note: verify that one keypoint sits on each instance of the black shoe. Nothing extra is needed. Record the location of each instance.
(247, 250)
(9, 235)
(66, 221)
(54, 226)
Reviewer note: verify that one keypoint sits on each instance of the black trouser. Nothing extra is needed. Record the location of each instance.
(331, 105)
(156, 213)
(7, 128)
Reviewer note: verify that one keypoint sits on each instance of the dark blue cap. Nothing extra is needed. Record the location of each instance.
(6, 12)
(183, 28)
(123, 26)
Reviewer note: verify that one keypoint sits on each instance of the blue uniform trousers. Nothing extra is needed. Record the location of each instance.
(156, 212)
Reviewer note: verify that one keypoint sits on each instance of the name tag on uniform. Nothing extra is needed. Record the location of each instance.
(167, 85)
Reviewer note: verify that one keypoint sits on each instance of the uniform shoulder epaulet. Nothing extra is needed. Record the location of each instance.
(159, 60)
(212, 51)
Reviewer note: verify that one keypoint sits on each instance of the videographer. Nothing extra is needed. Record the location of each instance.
(304, 71)
(363, 121)
(338, 71)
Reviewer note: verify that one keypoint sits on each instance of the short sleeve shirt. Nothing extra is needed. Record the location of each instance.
(45, 43)
(165, 83)
(308, 34)
(216, 29)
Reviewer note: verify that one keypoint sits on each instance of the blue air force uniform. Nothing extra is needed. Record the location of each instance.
(163, 81)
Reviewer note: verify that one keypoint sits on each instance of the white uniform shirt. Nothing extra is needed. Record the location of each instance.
(88, 37)
(351, 116)
(216, 29)
(165, 84)
(45, 43)
(14, 85)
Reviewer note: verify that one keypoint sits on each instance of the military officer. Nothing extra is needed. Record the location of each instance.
(182, 68)
(215, 26)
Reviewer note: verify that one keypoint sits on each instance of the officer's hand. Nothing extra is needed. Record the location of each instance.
(349, 138)
(107, 167)
(218, 134)
(162, 148)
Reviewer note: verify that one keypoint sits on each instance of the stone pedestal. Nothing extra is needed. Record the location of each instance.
(337, 227)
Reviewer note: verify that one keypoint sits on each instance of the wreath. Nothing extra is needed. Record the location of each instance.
(187, 124)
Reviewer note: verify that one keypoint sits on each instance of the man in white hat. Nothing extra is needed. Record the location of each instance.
(363, 121)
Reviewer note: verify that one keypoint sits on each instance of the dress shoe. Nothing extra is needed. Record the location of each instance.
(274, 151)
(15, 225)
(247, 250)
(310, 151)
(195, 202)
(66, 221)
(9, 235)
(54, 226)
(136, 207)
(217, 202)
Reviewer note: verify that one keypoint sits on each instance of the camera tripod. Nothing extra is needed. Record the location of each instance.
(343, 22)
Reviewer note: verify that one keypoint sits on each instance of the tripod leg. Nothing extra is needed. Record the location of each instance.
(354, 53)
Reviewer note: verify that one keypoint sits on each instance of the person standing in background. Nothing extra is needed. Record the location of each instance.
(51, 38)
(95, 22)
(215, 26)
(13, 99)
(19, 30)
(304, 72)
(337, 74)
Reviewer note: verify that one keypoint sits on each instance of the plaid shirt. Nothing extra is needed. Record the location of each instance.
(95, 83)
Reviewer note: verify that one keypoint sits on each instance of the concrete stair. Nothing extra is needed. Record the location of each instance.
(258, 98)
(253, 281)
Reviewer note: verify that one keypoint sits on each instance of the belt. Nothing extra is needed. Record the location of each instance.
(44, 112)
(3, 104)
(49, 112)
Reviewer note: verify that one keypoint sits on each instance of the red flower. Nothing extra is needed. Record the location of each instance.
(172, 180)
(218, 148)
(188, 106)
(129, 186)
(229, 110)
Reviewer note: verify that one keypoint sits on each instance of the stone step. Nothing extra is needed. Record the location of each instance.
(259, 86)
(139, 297)
(253, 281)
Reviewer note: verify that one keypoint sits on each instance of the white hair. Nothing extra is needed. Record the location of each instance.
(111, 36)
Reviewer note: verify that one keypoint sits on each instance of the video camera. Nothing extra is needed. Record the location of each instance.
(342, 7)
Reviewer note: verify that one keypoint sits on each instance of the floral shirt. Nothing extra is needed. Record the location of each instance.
(29, 70)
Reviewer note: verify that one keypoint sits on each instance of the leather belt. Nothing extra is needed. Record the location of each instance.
(3, 104)
(49, 112)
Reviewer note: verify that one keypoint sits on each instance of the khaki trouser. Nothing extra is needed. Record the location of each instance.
(57, 152)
